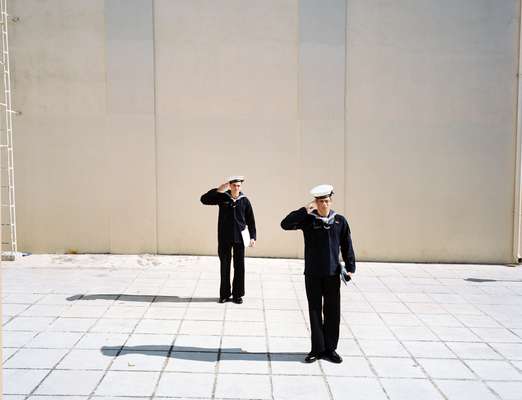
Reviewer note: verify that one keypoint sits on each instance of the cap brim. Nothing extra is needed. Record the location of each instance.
(323, 196)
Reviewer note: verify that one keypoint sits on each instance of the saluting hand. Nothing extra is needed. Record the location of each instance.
(311, 207)
(223, 187)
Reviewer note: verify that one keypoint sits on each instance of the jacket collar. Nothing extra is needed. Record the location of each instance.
(241, 195)
(327, 220)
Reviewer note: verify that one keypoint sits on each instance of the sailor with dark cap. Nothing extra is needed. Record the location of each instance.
(325, 232)
(236, 229)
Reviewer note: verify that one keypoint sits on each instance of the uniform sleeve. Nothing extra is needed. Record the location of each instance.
(212, 197)
(347, 248)
(250, 220)
(295, 220)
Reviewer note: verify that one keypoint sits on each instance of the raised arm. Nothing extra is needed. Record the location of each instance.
(347, 248)
(215, 196)
(295, 220)
(212, 197)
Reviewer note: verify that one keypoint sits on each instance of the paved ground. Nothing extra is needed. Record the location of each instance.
(99, 326)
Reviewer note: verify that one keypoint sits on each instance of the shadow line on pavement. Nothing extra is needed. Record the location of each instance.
(478, 280)
(201, 353)
(143, 298)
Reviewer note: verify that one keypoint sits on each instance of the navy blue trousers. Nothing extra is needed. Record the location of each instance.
(324, 308)
(225, 256)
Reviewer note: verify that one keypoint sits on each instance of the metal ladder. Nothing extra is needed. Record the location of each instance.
(8, 217)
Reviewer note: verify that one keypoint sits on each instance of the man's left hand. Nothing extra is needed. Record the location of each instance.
(252, 242)
(347, 274)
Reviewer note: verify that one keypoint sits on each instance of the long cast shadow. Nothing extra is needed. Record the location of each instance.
(201, 353)
(478, 280)
(143, 298)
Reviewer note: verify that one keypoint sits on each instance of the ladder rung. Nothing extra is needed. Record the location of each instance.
(7, 205)
(7, 224)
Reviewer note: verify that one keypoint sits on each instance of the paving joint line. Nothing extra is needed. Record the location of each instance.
(129, 335)
(430, 378)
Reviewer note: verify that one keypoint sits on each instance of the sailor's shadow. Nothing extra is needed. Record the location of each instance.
(142, 298)
(201, 353)
(479, 280)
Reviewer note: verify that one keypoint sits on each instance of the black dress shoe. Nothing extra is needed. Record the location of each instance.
(311, 357)
(237, 300)
(332, 356)
(223, 299)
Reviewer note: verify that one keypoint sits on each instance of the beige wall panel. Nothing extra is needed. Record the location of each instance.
(62, 191)
(130, 81)
(227, 104)
(132, 187)
(322, 158)
(58, 57)
(408, 109)
(130, 57)
(237, 61)
(430, 129)
(60, 140)
(322, 37)
(131, 136)
(198, 158)
(322, 69)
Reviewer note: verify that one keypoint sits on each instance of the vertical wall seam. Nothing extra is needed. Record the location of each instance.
(517, 222)
(155, 125)
(345, 175)
(299, 116)
(107, 141)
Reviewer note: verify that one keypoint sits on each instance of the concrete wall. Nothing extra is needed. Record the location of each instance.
(133, 108)
(58, 56)
(226, 104)
(430, 130)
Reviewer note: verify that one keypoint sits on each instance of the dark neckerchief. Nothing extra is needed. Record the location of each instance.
(241, 195)
(326, 220)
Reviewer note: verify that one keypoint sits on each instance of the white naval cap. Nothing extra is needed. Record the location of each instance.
(322, 191)
(235, 178)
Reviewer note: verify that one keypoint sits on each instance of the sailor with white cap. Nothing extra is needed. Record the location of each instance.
(325, 233)
(235, 218)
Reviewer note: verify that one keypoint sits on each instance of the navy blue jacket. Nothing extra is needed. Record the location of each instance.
(323, 238)
(234, 215)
